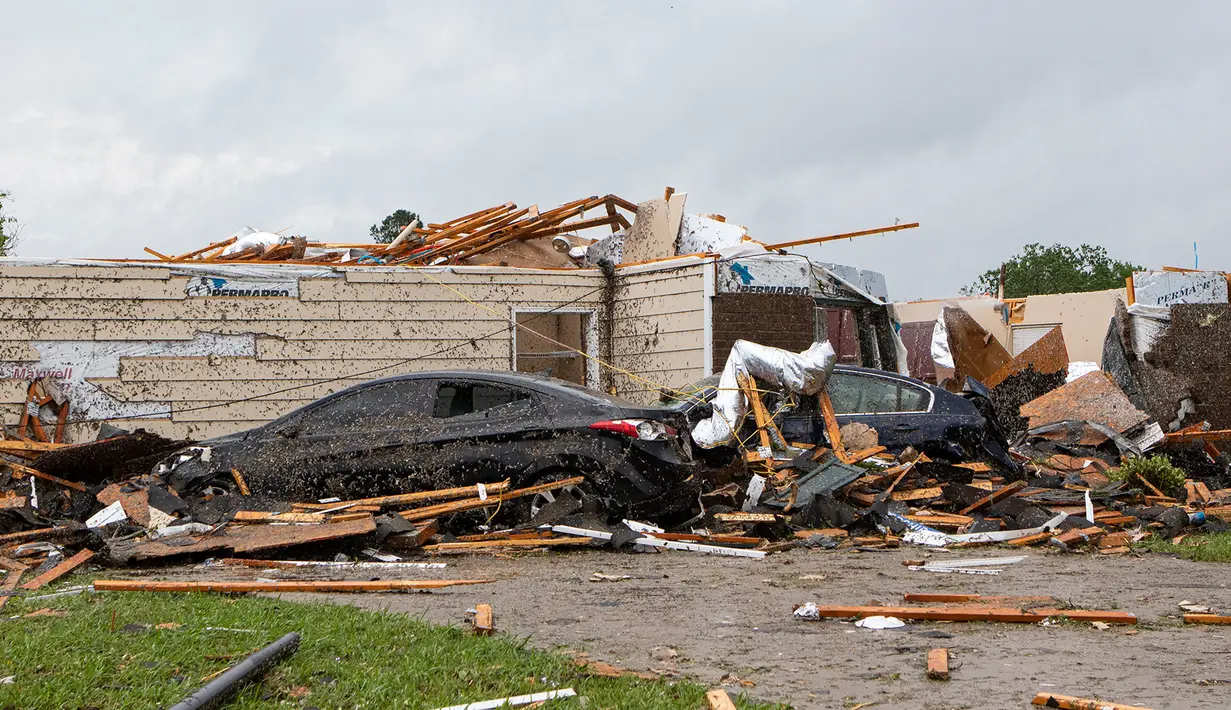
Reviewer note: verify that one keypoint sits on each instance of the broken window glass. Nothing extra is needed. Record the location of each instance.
(458, 399)
(857, 394)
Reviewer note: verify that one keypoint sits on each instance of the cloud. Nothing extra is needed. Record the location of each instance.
(994, 125)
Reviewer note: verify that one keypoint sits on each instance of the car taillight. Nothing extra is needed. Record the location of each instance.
(643, 429)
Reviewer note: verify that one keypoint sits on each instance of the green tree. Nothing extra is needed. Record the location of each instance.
(8, 227)
(391, 226)
(1055, 269)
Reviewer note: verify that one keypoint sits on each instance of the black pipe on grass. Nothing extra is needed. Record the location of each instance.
(216, 692)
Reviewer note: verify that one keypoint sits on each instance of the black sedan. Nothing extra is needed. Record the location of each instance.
(434, 430)
(904, 412)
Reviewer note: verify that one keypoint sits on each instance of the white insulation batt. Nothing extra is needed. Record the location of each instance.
(802, 373)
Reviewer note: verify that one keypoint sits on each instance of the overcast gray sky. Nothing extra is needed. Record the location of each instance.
(171, 125)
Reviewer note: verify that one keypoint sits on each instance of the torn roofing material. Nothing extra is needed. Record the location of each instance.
(1093, 397)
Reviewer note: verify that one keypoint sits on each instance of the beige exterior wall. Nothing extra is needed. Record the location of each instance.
(986, 312)
(141, 345)
(1083, 316)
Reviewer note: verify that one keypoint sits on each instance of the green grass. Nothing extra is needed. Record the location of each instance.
(348, 658)
(1215, 547)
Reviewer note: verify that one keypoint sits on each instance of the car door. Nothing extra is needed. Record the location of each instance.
(482, 431)
(897, 409)
(359, 442)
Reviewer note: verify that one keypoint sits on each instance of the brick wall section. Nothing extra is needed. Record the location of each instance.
(778, 321)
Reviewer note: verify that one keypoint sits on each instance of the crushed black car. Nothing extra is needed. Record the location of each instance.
(432, 430)
(904, 412)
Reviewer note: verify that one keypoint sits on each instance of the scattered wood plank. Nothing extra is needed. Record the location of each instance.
(59, 570)
(1203, 492)
(746, 517)
(993, 497)
(6, 589)
(12, 502)
(501, 544)
(387, 585)
(413, 539)
(831, 532)
(1020, 616)
(743, 540)
(976, 466)
(1150, 486)
(38, 534)
(27, 449)
(1069, 702)
(261, 516)
(484, 625)
(434, 511)
(1031, 539)
(938, 664)
(719, 700)
(239, 481)
(1179, 437)
(918, 494)
(832, 430)
(938, 598)
(408, 498)
(860, 455)
(20, 471)
(1207, 619)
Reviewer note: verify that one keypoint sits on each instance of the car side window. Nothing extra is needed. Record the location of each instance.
(861, 394)
(390, 405)
(462, 399)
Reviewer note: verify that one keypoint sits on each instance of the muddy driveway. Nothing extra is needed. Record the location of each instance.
(709, 617)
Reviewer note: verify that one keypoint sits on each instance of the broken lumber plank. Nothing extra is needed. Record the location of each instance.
(13, 502)
(407, 498)
(918, 494)
(21, 447)
(764, 423)
(413, 539)
(669, 544)
(1075, 537)
(1180, 437)
(484, 625)
(20, 471)
(939, 598)
(742, 540)
(39, 534)
(240, 482)
(831, 425)
(495, 544)
(59, 570)
(1150, 486)
(1031, 539)
(261, 516)
(387, 585)
(325, 564)
(857, 456)
(1203, 491)
(1013, 616)
(433, 511)
(976, 466)
(346, 516)
(746, 517)
(1069, 702)
(6, 589)
(938, 664)
(719, 700)
(1207, 619)
(995, 496)
(831, 532)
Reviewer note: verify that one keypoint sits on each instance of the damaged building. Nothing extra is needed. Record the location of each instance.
(245, 330)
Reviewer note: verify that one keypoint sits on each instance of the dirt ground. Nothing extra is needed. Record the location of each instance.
(707, 617)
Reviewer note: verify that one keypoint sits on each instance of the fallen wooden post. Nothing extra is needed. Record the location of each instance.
(993, 497)
(407, 498)
(719, 700)
(1068, 702)
(1207, 619)
(1013, 616)
(6, 589)
(125, 585)
(496, 544)
(59, 570)
(938, 664)
(968, 598)
(239, 481)
(484, 625)
(19, 471)
(433, 511)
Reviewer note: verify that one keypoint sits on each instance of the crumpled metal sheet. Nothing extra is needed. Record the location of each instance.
(801, 373)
